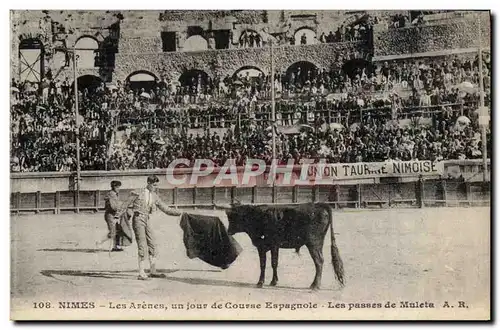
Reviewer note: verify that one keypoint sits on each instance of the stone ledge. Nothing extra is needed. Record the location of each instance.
(447, 52)
(459, 34)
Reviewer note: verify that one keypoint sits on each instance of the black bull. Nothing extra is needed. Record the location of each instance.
(288, 227)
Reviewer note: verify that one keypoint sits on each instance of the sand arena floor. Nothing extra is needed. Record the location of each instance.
(415, 255)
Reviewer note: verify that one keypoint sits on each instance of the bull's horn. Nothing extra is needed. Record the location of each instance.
(224, 207)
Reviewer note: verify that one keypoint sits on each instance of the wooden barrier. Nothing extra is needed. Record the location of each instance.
(461, 184)
(404, 194)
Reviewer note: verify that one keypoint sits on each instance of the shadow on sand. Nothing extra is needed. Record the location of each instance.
(131, 274)
(74, 250)
(215, 282)
(114, 274)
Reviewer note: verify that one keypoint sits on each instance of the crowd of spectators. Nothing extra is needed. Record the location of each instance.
(400, 21)
(430, 82)
(43, 128)
(250, 39)
(348, 33)
(354, 31)
(153, 123)
(373, 139)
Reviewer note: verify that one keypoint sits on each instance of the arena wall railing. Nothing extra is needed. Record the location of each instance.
(460, 185)
(331, 116)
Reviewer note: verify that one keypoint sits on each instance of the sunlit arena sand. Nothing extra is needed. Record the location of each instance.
(407, 257)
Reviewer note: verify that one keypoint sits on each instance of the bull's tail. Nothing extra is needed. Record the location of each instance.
(338, 265)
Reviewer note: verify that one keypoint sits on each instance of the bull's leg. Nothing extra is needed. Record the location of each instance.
(274, 262)
(262, 257)
(317, 257)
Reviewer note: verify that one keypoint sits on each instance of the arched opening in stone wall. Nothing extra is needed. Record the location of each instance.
(89, 82)
(31, 57)
(250, 38)
(195, 43)
(194, 30)
(247, 73)
(141, 80)
(305, 36)
(194, 78)
(355, 67)
(301, 72)
(87, 59)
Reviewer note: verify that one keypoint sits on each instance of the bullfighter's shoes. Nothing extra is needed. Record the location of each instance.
(143, 277)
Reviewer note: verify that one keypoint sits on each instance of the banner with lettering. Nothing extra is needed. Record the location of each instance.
(370, 170)
(300, 174)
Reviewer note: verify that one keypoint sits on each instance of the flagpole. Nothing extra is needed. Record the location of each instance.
(482, 109)
(273, 116)
(77, 128)
(77, 123)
